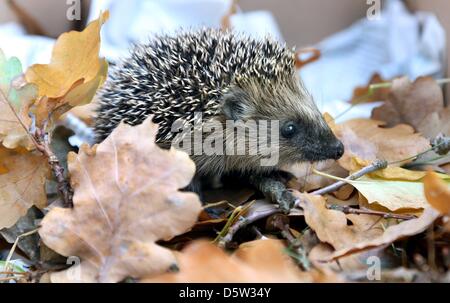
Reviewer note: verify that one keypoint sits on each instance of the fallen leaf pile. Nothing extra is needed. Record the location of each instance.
(118, 211)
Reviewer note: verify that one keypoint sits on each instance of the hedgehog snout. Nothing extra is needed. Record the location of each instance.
(336, 150)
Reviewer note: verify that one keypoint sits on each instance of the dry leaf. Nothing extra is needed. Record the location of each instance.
(126, 198)
(394, 188)
(435, 124)
(368, 140)
(13, 100)
(419, 104)
(391, 234)
(363, 93)
(22, 183)
(331, 225)
(256, 261)
(437, 192)
(74, 74)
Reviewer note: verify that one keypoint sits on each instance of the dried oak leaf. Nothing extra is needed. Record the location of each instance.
(22, 183)
(74, 74)
(394, 188)
(437, 192)
(256, 261)
(368, 140)
(364, 94)
(14, 99)
(331, 225)
(410, 103)
(435, 124)
(391, 234)
(126, 198)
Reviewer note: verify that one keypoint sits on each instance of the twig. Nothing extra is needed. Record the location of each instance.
(244, 221)
(376, 165)
(13, 248)
(441, 144)
(349, 210)
(64, 188)
(281, 223)
(41, 143)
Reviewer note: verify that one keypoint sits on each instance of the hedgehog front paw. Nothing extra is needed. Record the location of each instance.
(276, 191)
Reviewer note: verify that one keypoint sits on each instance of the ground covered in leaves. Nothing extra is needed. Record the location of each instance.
(114, 211)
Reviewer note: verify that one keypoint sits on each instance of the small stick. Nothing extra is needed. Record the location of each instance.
(349, 210)
(16, 242)
(64, 188)
(376, 165)
(294, 243)
(244, 221)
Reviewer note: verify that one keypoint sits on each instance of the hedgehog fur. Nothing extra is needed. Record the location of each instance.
(174, 76)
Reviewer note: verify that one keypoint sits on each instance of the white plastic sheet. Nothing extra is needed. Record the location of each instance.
(398, 43)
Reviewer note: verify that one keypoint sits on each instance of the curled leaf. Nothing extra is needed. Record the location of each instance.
(74, 73)
(437, 192)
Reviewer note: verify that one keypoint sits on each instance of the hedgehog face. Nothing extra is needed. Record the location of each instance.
(303, 134)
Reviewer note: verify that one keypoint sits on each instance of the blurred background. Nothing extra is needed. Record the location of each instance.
(357, 38)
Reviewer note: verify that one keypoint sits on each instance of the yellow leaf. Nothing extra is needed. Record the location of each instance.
(22, 183)
(126, 197)
(75, 57)
(437, 192)
(73, 75)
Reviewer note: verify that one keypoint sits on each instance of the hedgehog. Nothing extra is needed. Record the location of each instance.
(225, 76)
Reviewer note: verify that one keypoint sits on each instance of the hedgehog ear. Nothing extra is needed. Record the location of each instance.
(234, 106)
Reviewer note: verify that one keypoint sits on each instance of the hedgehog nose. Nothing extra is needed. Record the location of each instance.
(338, 148)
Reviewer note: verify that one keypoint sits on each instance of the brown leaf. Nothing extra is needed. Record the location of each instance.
(126, 198)
(391, 234)
(435, 123)
(369, 140)
(22, 183)
(410, 103)
(437, 192)
(256, 261)
(331, 225)
(363, 94)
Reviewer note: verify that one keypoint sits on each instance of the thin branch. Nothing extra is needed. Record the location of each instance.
(13, 248)
(4, 99)
(244, 221)
(64, 188)
(350, 210)
(376, 165)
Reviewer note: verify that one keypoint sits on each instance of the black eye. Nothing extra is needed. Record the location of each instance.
(289, 130)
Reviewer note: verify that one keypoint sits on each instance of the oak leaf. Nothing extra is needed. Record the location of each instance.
(22, 183)
(73, 75)
(365, 94)
(419, 104)
(14, 99)
(331, 225)
(255, 261)
(391, 234)
(369, 140)
(126, 198)
(394, 188)
(437, 192)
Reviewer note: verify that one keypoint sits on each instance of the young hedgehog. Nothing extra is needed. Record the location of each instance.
(224, 76)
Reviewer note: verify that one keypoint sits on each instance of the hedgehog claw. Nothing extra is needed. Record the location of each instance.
(276, 191)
